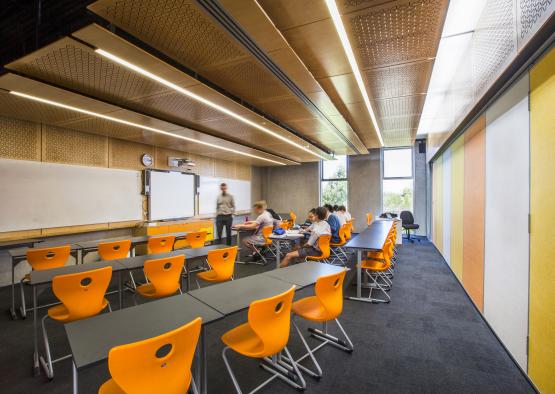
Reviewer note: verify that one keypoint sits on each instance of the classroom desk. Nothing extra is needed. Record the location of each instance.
(287, 237)
(303, 274)
(236, 295)
(19, 243)
(19, 255)
(92, 246)
(45, 277)
(371, 238)
(91, 339)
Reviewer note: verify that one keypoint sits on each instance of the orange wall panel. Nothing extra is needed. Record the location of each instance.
(474, 204)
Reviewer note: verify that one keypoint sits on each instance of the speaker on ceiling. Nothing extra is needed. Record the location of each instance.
(421, 146)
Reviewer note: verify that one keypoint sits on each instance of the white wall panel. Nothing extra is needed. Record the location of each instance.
(447, 205)
(507, 206)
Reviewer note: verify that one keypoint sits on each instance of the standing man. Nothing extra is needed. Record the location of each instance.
(225, 208)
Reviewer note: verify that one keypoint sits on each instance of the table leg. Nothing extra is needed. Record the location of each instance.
(359, 273)
(278, 258)
(204, 368)
(75, 379)
(188, 269)
(36, 365)
(12, 308)
(120, 288)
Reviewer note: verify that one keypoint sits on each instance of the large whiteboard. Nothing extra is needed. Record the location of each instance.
(172, 195)
(37, 195)
(209, 188)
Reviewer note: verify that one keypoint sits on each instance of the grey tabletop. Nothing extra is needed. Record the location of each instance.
(20, 252)
(19, 242)
(46, 276)
(93, 244)
(136, 262)
(91, 339)
(236, 295)
(193, 253)
(287, 237)
(303, 274)
(371, 238)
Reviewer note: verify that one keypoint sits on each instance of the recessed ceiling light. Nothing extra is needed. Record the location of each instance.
(137, 125)
(200, 99)
(336, 17)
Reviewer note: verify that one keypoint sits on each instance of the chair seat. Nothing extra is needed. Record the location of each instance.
(61, 313)
(244, 341)
(110, 387)
(411, 226)
(147, 290)
(337, 245)
(209, 276)
(315, 258)
(375, 255)
(374, 265)
(310, 308)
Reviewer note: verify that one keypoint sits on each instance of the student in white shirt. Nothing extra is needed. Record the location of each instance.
(319, 227)
(264, 219)
(344, 212)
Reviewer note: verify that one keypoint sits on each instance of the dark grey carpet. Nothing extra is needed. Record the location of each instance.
(429, 339)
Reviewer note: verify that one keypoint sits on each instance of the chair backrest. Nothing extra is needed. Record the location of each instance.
(292, 217)
(222, 261)
(161, 244)
(46, 258)
(369, 218)
(160, 364)
(266, 232)
(343, 233)
(285, 224)
(324, 245)
(196, 239)
(349, 231)
(406, 217)
(329, 291)
(270, 319)
(114, 250)
(82, 293)
(164, 274)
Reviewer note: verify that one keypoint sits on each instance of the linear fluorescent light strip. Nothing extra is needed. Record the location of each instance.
(196, 97)
(336, 17)
(125, 122)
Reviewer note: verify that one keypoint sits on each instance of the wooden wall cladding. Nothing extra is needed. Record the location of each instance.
(69, 147)
(20, 139)
(126, 154)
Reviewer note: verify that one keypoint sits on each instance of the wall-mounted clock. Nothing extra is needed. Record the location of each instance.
(147, 160)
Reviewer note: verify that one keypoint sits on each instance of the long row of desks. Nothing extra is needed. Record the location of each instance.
(91, 339)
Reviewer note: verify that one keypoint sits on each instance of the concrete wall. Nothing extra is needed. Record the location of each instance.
(365, 187)
(420, 191)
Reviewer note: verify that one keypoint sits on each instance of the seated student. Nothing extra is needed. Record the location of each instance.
(264, 218)
(347, 213)
(311, 248)
(340, 215)
(333, 221)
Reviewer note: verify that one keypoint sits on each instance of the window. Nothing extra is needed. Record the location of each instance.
(333, 181)
(397, 182)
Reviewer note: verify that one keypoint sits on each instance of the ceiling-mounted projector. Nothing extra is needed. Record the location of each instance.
(180, 162)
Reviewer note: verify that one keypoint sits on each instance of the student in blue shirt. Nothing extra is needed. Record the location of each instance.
(334, 223)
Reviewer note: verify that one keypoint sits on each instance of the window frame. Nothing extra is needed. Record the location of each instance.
(392, 178)
(322, 179)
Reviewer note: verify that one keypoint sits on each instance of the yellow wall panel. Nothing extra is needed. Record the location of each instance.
(438, 203)
(541, 362)
(457, 205)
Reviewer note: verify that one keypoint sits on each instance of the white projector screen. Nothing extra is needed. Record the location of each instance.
(172, 195)
(209, 188)
(37, 195)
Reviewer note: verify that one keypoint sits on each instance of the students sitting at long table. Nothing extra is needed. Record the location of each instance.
(263, 219)
(319, 227)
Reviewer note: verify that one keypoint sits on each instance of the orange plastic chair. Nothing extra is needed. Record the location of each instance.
(222, 263)
(337, 248)
(160, 364)
(369, 218)
(265, 334)
(196, 239)
(325, 306)
(160, 244)
(43, 259)
(114, 250)
(324, 245)
(375, 266)
(292, 217)
(164, 277)
(266, 232)
(82, 296)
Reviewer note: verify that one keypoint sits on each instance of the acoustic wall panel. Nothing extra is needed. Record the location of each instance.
(457, 189)
(447, 205)
(438, 203)
(473, 220)
(506, 229)
(542, 245)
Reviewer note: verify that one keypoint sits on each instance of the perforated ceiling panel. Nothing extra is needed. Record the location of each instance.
(531, 15)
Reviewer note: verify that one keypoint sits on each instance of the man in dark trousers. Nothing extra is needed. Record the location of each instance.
(225, 207)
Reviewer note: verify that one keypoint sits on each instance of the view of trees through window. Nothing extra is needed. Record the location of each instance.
(333, 185)
(397, 181)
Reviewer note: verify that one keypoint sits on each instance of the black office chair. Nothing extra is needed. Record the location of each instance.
(408, 224)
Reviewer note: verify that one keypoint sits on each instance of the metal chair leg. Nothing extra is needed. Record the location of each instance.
(47, 365)
(22, 307)
(309, 353)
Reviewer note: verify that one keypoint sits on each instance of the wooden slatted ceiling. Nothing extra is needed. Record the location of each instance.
(394, 43)
(182, 30)
(70, 64)
(21, 108)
